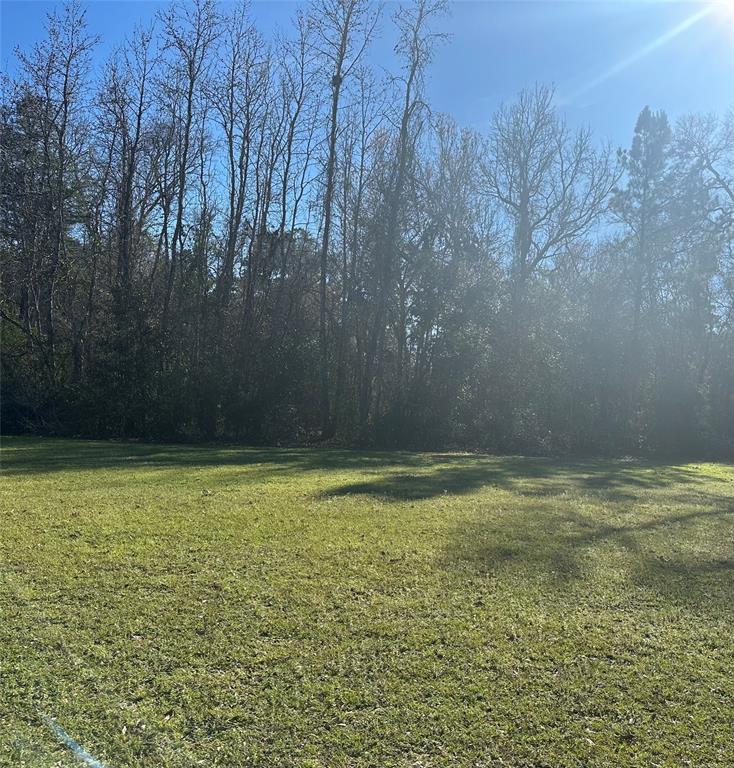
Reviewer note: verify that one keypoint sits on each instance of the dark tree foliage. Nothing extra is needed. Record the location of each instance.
(217, 237)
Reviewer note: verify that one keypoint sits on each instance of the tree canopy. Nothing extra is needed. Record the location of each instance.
(222, 237)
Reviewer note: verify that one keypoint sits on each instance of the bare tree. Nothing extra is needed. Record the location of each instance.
(415, 45)
(56, 75)
(342, 31)
(708, 142)
(190, 31)
(239, 99)
(298, 79)
(551, 184)
(126, 103)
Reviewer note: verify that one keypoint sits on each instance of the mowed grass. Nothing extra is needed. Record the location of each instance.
(187, 606)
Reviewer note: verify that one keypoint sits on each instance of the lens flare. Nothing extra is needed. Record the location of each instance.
(652, 46)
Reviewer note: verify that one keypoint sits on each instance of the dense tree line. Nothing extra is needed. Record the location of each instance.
(225, 237)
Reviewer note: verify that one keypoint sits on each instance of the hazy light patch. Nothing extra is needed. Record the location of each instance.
(633, 58)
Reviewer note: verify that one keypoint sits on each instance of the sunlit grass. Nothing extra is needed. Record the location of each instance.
(243, 607)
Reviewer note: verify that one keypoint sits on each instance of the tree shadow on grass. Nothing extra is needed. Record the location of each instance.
(528, 477)
(26, 456)
(676, 556)
(393, 474)
(664, 523)
(539, 536)
(437, 481)
(700, 583)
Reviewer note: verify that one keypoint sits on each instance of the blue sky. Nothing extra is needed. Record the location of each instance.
(606, 59)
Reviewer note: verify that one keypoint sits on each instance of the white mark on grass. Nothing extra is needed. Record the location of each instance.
(74, 746)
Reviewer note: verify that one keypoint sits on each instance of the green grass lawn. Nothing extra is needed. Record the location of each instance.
(198, 606)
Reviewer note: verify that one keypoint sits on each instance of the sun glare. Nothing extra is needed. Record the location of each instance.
(725, 11)
(724, 15)
(658, 42)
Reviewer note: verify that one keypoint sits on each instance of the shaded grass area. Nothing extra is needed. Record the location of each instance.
(182, 606)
